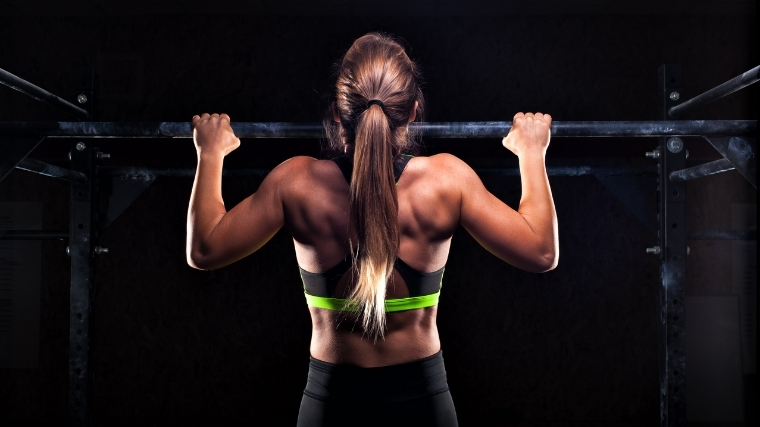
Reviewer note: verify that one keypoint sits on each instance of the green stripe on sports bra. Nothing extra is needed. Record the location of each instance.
(391, 305)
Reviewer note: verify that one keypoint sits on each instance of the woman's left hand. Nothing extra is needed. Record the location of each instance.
(212, 133)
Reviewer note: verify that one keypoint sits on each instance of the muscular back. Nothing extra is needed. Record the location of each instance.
(316, 204)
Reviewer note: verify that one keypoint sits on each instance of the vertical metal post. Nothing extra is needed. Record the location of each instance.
(672, 338)
(81, 250)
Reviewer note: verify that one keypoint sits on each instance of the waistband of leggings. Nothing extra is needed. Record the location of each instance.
(401, 382)
(398, 369)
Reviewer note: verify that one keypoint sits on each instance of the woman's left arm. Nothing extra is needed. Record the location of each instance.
(215, 237)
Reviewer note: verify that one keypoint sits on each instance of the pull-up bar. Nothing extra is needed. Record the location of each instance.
(427, 130)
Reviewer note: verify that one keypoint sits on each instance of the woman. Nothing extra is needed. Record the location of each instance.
(372, 230)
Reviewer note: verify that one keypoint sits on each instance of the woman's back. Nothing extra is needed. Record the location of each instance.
(316, 205)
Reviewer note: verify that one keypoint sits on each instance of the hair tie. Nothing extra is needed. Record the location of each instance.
(372, 102)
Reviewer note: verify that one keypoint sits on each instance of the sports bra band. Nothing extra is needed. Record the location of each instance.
(391, 305)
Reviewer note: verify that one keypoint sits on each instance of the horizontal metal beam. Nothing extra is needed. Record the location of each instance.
(727, 88)
(42, 168)
(34, 234)
(722, 235)
(427, 130)
(40, 94)
(705, 169)
(148, 174)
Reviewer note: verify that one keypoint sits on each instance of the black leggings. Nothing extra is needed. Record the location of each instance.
(408, 394)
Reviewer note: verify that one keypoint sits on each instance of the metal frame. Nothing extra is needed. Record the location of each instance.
(672, 325)
(426, 130)
(81, 251)
(728, 137)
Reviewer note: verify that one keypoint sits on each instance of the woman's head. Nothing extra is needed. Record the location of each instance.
(375, 67)
(377, 94)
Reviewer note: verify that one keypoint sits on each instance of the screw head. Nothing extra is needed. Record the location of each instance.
(81, 98)
(675, 145)
(654, 250)
(81, 146)
(68, 251)
(675, 96)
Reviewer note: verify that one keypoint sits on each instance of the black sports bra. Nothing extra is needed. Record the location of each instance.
(424, 288)
(346, 165)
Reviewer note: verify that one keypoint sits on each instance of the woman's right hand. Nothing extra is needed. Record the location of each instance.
(213, 133)
(529, 132)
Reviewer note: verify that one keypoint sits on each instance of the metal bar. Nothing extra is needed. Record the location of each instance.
(144, 174)
(33, 234)
(722, 235)
(81, 251)
(580, 170)
(711, 168)
(40, 94)
(727, 88)
(427, 130)
(47, 169)
(672, 324)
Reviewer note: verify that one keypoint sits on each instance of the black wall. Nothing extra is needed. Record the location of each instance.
(176, 346)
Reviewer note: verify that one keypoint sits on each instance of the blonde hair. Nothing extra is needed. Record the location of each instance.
(376, 67)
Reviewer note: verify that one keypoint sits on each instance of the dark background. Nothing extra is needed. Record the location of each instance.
(177, 346)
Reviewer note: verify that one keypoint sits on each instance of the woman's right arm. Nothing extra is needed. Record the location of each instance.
(526, 238)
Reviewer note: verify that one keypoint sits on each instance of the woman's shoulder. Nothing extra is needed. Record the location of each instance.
(441, 159)
(300, 165)
(440, 166)
(305, 168)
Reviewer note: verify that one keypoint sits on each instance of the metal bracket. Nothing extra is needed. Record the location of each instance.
(14, 149)
(741, 152)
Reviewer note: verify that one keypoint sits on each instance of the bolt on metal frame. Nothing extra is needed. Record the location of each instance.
(738, 153)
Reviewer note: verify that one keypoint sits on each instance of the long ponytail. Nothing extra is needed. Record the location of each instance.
(375, 68)
(374, 213)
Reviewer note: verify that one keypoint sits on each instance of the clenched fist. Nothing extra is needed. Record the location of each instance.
(529, 132)
(213, 133)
